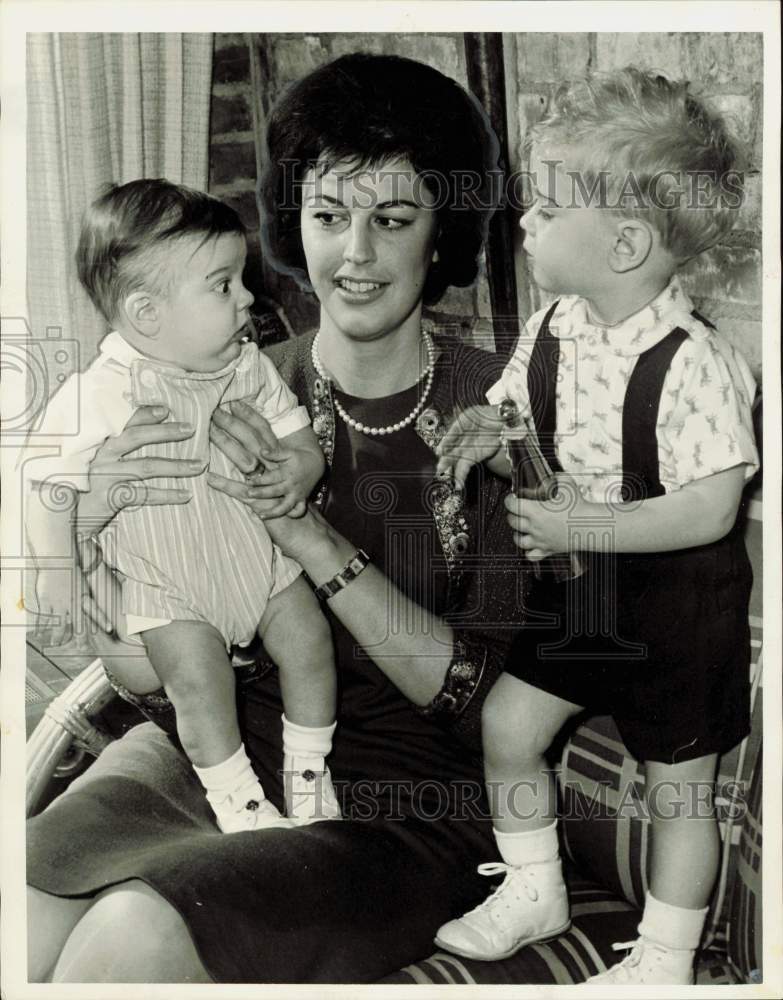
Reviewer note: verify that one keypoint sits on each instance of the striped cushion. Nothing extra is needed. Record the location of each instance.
(599, 919)
(744, 932)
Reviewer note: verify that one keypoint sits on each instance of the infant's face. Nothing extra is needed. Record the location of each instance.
(567, 236)
(203, 315)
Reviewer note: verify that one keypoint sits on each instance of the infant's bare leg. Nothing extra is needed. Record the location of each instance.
(298, 638)
(192, 664)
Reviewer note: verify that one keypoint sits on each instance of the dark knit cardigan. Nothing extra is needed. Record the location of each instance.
(486, 575)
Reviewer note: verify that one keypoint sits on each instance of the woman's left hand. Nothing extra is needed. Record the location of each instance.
(542, 526)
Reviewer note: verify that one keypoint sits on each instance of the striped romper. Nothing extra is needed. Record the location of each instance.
(210, 559)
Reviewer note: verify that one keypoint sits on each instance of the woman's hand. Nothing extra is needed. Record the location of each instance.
(117, 481)
(541, 524)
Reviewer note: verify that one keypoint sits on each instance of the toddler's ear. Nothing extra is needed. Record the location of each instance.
(631, 246)
(142, 313)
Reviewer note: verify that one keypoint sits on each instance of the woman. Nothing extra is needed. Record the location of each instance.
(371, 209)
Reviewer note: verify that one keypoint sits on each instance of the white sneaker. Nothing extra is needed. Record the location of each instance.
(235, 813)
(649, 963)
(309, 794)
(531, 904)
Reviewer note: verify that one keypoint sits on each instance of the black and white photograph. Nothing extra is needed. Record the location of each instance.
(457, 325)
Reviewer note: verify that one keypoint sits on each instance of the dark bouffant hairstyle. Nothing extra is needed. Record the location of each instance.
(367, 110)
(127, 231)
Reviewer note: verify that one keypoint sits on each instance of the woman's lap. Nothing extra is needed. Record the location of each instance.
(339, 901)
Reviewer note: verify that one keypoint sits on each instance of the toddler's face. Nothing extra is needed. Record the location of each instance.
(567, 237)
(203, 316)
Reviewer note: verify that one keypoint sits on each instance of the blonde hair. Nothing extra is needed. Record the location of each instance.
(652, 151)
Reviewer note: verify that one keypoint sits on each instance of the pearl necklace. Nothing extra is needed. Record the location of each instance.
(429, 373)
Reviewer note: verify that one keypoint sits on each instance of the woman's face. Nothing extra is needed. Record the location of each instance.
(368, 240)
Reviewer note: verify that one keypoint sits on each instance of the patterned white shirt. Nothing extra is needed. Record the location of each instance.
(704, 421)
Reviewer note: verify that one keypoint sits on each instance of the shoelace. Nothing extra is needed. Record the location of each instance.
(620, 972)
(514, 877)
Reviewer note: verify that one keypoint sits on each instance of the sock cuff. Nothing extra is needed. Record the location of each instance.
(227, 772)
(527, 847)
(676, 927)
(301, 741)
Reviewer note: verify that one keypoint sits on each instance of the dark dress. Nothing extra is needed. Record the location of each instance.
(354, 900)
(659, 640)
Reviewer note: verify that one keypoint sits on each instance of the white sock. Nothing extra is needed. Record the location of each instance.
(306, 747)
(529, 846)
(675, 927)
(231, 779)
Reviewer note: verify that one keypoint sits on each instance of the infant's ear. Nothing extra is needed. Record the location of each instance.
(631, 246)
(142, 313)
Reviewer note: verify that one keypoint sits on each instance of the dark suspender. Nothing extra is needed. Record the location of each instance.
(641, 474)
(641, 477)
(541, 388)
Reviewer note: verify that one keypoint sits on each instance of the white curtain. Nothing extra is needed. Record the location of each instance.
(103, 108)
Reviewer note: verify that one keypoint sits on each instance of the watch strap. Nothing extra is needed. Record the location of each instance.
(347, 574)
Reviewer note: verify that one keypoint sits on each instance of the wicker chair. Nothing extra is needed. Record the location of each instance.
(67, 733)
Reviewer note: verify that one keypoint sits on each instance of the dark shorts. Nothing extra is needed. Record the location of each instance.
(661, 643)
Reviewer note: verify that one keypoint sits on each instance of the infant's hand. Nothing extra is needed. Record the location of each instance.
(473, 437)
(286, 478)
(51, 607)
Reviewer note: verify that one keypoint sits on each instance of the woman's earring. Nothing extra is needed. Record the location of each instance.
(435, 257)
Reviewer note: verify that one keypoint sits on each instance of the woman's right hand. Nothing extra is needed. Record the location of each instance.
(117, 481)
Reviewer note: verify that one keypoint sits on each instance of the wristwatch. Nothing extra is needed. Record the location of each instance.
(347, 574)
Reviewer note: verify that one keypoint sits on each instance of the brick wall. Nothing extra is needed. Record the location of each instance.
(725, 68)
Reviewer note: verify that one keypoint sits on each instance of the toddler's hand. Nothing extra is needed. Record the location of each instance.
(473, 437)
(541, 526)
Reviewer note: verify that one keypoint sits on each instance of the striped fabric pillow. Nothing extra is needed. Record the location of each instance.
(744, 933)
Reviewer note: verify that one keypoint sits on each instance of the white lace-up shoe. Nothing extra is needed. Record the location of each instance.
(648, 964)
(531, 904)
(309, 794)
